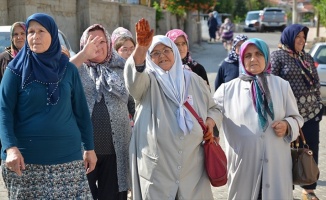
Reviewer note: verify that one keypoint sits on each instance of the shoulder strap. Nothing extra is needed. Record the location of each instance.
(301, 136)
(199, 119)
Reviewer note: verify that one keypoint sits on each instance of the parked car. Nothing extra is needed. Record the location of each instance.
(5, 39)
(272, 18)
(318, 52)
(252, 21)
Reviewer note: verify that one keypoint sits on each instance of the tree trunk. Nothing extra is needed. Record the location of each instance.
(189, 27)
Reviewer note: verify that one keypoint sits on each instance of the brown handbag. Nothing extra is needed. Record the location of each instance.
(215, 158)
(304, 168)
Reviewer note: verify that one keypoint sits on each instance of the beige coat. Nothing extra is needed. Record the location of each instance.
(165, 163)
(254, 155)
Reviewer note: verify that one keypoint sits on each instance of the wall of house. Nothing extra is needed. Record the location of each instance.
(74, 16)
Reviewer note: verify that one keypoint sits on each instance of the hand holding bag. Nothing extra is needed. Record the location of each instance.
(304, 168)
(215, 158)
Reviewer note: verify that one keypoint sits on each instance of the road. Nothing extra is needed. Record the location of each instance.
(210, 55)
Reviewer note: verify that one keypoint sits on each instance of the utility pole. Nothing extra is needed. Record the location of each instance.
(294, 13)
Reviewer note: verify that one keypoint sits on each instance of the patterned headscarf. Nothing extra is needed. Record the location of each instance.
(14, 49)
(233, 56)
(288, 44)
(120, 32)
(261, 96)
(46, 68)
(102, 74)
(174, 83)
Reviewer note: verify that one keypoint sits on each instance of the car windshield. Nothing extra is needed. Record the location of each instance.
(320, 55)
(252, 16)
(4, 40)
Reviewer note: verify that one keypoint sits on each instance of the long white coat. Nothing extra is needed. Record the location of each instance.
(165, 163)
(254, 155)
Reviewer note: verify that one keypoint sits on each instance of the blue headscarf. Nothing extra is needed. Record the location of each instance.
(261, 96)
(290, 33)
(46, 68)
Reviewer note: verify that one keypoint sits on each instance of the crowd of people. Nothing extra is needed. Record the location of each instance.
(65, 121)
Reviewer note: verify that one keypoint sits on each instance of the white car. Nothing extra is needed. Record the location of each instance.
(5, 39)
(318, 52)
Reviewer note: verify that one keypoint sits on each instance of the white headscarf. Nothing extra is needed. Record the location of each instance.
(174, 82)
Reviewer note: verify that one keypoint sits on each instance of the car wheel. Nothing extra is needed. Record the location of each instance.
(262, 28)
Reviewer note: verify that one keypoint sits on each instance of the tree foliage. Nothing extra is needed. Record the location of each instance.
(181, 6)
(320, 5)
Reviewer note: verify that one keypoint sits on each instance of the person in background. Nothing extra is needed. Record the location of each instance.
(219, 23)
(44, 120)
(212, 27)
(293, 64)
(180, 39)
(261, 119)
(229, 68)
(166, 155)
(123, 42)
(101, 71)
(226, 32)
(17, 38)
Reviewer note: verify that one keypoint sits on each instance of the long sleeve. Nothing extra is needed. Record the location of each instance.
(9, 90)
(81, 112)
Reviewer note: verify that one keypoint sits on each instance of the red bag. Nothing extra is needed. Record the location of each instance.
(215, 158)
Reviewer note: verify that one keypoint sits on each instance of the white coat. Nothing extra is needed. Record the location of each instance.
(254, 155)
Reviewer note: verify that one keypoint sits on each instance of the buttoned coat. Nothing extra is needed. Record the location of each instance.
(254, 155)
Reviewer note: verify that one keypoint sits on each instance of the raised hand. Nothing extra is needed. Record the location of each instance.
(144, 35)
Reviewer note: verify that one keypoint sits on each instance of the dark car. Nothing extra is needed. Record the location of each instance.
(5, 39)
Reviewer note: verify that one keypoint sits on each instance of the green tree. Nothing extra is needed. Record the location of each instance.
(320, 5)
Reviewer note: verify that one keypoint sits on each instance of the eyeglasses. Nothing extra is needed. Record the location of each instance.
(126, 50)
(156, 54)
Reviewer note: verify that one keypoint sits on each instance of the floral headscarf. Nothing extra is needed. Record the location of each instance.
(233, 56)
(261, 96)
(46, 68)
(102, 74)
(14, 50)
(120, 32)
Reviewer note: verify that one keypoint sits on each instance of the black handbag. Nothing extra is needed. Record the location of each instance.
(305, 170)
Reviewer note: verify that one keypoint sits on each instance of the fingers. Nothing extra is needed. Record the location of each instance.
(280, 127)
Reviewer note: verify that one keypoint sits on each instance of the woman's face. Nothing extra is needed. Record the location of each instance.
(254, 60)
(163, 56)
(126, 49)
(237, 47)
(182, 46)
(299, 42)
(38, 38)
(19, 37)
(102, 49)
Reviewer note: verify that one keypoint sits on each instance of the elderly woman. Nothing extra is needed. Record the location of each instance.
(44, 120)
(17, 38)
(180, 39)
(167, 158)
(293, 64)
(257, 135)
(101, 71)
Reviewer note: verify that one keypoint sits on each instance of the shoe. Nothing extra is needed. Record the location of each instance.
(309, 196)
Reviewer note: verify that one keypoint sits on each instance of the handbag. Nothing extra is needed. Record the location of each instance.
(215, 158)
(304, 168)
